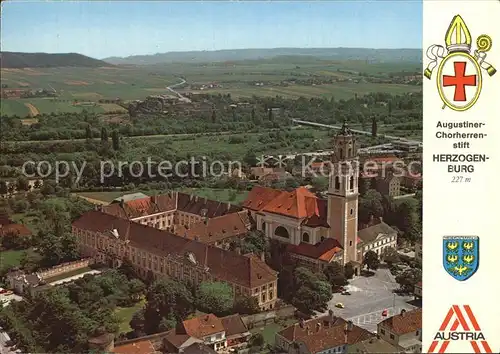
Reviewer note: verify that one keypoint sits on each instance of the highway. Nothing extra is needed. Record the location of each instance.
(362, 132)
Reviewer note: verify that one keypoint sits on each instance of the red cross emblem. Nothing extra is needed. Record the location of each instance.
(460, 80)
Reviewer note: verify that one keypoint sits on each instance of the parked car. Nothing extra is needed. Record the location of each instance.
(339, 305)
(346, 293)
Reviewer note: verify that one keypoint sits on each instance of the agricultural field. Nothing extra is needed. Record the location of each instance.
(89, 85)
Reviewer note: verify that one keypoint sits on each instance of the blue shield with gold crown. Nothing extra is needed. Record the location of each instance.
(461, 256)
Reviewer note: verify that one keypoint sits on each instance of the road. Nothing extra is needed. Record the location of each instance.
(390, 137)
(171, 89)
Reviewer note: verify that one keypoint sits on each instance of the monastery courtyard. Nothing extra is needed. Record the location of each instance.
(369, 297)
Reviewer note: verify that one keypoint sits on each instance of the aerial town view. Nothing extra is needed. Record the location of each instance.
(211, 177)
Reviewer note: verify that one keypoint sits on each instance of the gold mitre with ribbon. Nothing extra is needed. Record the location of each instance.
(458, 38)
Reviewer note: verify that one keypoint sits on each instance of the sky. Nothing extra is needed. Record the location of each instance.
(115, 28)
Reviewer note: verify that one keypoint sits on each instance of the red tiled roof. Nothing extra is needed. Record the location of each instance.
(324, 333)
(141, 207)
(222, 264)
(139, 347)
(259, 197)
(408, 322)
(324, 250)
(234, 325)
(16, 229)
(204, 207)
(294, 204)
(203, 326)
(217, 229)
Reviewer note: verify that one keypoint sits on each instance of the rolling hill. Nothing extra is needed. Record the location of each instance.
(15, 60)
(373, 55)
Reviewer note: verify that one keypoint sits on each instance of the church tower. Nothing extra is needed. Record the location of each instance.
(343, 192)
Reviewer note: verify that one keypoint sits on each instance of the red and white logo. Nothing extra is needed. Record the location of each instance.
(464, 327)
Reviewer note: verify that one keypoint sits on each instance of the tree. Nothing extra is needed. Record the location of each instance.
(4, 189)
(136, 289)
(374, 126)
(246, 305)
(370, 260)
(408, 279)
(137, 323)
(370, 204)
(334, 274)
(214, 116)
(255, 242)
(390, 256)
(48, 188)
(311, 291)
(22, 184)
(250, 159)
(256, 340)
(407, 216)
(104, 134)
(214, 297)
(116, 140)
(166, 297)
(253, 114)
(88, 132)
(349, 270)
(12, 240)
(320, 184)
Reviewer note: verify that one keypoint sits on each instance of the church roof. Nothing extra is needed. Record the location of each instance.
(323, 250)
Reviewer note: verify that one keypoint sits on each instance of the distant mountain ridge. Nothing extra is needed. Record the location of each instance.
(376, 55)
(17, 60)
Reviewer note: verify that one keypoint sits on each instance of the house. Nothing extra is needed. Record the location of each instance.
(417, 292)
(372, 345)
(327, 334)
(377, 238)
(389, 185)
(198, 348)
(403, 330)
(153, 252)
(139, 346)
(219, 334)
(274, 177)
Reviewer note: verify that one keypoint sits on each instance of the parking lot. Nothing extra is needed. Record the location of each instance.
(369, 297)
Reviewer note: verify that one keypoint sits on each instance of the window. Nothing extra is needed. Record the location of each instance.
(382, 331)
(392, 336)
(281, 232)
(263, 226)
(341, 153)
(351, 211)
(337, 182)
(351, 183)
(305, 237)
(417, 333)
(350, 243)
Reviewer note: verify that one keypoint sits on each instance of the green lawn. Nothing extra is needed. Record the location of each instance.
(222, 195)
(106, 197)
(269, 331)
(125, 314)
(12, 107)
(10, 258)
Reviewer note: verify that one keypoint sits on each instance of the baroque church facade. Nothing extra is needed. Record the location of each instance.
(316, 228)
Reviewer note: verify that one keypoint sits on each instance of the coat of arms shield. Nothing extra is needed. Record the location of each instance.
(461, 256)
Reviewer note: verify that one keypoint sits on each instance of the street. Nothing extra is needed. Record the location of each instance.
(369, 297)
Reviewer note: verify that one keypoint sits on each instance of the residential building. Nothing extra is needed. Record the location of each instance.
(417, 292)
(198, 348)
(153, 252)
(377, 237)
(219, 334)
(403, 330)
(389, 185)
(373, 345)
(300, 216)
(327, 334)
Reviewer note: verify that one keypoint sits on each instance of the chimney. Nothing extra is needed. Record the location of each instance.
(350, 326)
(380, 219)
(195, 198)
(318, 327)
(301, 323)
(403, 312)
